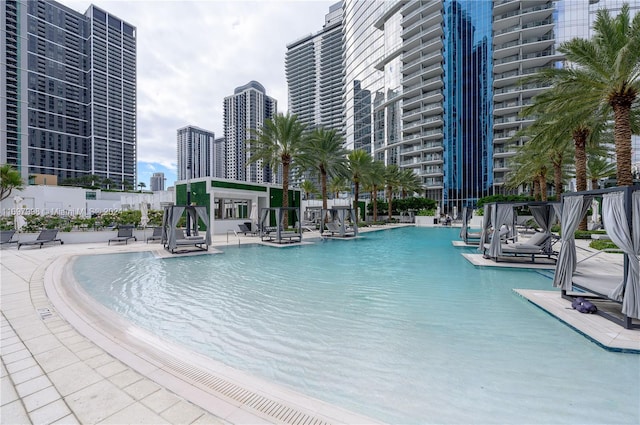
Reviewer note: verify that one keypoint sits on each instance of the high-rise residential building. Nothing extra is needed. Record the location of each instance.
(314, 71)
(68, 83)
(157, 182)
(195, 153)
(219, 158)
(435, 85)
(245, 111)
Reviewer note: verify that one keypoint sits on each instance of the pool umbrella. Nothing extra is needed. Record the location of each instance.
(18, 219)
(144, 213)
(254, 214)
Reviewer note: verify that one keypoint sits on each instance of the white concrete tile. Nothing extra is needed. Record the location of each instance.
(73, 378)
(160, 400)
(89, 353)
(33, 385)
(8, 349)
(111, 369)
(182, 412)
(208, 419)
(98, 401)
(141, 389)
(15, 356)
(42, 344)
(26, 374)
(50, 413)
(125, 378)
(14, 413)
(19, 365)
(67, 420)
(7, 393)
(55, 359)
(98, 361)
(40, 398)
(136, 413)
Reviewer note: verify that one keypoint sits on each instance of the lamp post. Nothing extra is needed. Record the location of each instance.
(188, 222)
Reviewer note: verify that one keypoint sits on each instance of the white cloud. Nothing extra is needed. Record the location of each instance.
(192, 54)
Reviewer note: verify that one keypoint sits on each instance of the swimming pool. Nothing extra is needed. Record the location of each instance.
(396, 325)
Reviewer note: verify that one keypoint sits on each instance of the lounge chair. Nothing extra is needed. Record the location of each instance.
(124, 234)
(6, 237)
(334, 228)
(540, 244)
(45, 236)
(244, 229)
(182, 240)
(157, 235)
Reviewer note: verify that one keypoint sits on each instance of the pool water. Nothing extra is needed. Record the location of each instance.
(396, 325)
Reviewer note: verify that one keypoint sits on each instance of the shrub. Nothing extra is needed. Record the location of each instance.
(602, 244)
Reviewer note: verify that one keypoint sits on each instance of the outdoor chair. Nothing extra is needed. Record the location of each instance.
(45, 236)
(157, 235)
(124, 234)
(6, 237)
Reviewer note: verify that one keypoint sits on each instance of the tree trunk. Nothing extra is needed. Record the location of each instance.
(536, 189)
(285, 192)
(557, 178)
(622, 137)
(580, 141)
(594, 184)
(356, 194)
(389, 197)
(375, 203)
(543, 185)
(323, 186)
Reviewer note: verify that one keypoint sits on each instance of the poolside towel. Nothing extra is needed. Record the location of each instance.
(584, 306)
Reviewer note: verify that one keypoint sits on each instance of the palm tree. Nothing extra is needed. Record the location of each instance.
(142, 185)
(373, 181)
(279, 143)
(10, 179)
(324, 153)
(308, 188)
(530, 165)
(409, 182)
(599, 167)
(391, 181)
(359, 164)
(605, 79)
(338, 184)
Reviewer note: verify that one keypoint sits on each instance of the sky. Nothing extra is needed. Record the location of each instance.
(192, 54)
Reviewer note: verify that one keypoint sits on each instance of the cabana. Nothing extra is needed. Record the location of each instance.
(501, 215)
(469, 238)
(621, 220)
(278, 234)
(340, 221)
(172, 240)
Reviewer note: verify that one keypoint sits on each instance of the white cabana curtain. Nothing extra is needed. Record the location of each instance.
(486, 226)
(544, 216)
(204, 216)
(615, 220)
(573, 209)
(503, 214)
(175, 213)
(466, 217)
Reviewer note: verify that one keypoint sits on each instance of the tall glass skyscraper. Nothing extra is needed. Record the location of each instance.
(69, 81)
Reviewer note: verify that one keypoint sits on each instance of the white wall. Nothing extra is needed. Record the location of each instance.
(72, 201)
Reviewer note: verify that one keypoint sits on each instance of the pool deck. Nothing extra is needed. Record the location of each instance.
(65, 361)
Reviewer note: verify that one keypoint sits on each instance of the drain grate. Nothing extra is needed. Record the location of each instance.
(257, 402)
(45, 313)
